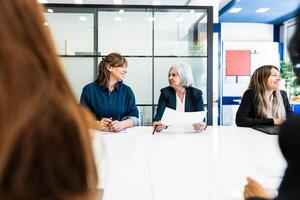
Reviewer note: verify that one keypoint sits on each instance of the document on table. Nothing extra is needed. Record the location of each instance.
(183, 120)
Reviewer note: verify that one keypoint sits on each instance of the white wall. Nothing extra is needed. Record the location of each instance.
(247, 32)
(70, 34)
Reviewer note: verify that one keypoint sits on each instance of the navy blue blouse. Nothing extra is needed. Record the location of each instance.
(118, 104)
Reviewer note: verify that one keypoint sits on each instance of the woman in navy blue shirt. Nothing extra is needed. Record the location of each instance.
(180, 96)
(111, 101)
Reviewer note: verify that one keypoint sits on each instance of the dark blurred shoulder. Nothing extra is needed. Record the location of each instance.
(291, 124)
(293, 120)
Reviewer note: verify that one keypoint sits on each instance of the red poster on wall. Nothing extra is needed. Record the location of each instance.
(238, 62)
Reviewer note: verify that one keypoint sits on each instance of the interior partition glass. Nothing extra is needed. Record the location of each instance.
(180, 33)
(73, 33)
(139, 78)
(79, 72)
(127, 31)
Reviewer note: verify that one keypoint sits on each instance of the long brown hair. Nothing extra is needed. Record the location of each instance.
(259, 83)
(112, 59)
(45, 149)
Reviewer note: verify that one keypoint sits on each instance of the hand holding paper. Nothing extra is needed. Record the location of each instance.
(183, 120)
(200, 126)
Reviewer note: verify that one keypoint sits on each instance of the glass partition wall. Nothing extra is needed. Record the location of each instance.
(152, 38)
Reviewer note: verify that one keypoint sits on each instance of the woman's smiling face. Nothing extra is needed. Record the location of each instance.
(118, 73)
(274, 80)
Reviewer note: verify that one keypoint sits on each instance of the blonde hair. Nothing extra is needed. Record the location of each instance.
(258, 83)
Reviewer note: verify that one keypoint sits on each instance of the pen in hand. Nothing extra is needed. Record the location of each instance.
(154, 129)
(158, 128)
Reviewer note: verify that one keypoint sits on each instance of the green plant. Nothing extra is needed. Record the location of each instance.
(197, 48)
(287, 74)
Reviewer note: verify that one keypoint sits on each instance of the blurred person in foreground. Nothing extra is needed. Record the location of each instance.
(45, 146)
(289, 142)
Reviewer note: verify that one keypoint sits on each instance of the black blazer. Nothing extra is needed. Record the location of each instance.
(289, 142)
(246, 114)
(167, 98)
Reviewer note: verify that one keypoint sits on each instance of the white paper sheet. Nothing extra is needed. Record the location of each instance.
(182, 120)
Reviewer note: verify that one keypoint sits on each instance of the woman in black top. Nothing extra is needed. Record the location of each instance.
(263, 103)
(180, 96)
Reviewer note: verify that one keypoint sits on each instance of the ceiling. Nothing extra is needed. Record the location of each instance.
(146, 2)
(280, 11)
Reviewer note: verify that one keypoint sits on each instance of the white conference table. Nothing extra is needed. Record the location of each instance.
(213, 165)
